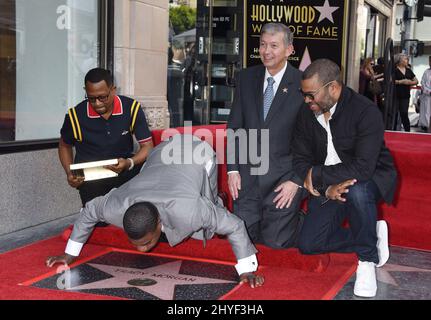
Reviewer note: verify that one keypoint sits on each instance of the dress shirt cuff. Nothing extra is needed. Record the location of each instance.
(245, 265)
(229, 172)
(73, 248)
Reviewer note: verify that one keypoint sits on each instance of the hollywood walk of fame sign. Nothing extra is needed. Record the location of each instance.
(319, 28)
(143, 277)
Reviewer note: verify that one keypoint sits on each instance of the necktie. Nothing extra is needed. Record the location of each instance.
(268, 97)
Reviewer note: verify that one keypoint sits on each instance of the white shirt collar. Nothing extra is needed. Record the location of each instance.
(332, 111)
(277, 77)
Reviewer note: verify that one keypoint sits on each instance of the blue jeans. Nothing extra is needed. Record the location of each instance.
(322, 230)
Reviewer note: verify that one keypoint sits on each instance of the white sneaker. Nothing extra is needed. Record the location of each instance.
(366, 283)
(382, 242)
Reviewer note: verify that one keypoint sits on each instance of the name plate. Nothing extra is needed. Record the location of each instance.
(94, 170)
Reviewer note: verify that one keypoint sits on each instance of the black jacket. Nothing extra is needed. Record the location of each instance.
(247, 113)
(358, 135)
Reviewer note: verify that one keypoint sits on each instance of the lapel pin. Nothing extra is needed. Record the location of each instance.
(285, 90)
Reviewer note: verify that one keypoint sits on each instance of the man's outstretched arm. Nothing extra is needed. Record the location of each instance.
(89, 216)
(218, 220)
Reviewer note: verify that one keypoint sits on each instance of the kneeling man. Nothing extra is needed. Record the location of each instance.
(339, 151)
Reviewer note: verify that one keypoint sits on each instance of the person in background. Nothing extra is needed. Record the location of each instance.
(404, 79)
(379, 71)
(366, 76)
(189, 79)
(425, 100)
(175, 84)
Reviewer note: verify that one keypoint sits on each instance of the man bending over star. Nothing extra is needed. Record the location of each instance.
(170, 196)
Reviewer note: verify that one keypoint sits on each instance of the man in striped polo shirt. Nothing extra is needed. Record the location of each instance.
(101, 128)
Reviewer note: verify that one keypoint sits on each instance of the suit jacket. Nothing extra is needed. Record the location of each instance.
(183, 194)
(358, 135)
(247, 113)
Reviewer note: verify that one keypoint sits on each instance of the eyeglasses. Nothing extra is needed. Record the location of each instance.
(311, 95)
(100, 98)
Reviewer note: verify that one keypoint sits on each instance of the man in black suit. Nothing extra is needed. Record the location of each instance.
(267, 99)
(340, 153)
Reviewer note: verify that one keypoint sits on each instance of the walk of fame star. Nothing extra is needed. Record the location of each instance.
(383, 274)
(160, 281)
(138, 276)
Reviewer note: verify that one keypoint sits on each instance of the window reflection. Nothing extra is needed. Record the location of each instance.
(201, 90)
(46, 47)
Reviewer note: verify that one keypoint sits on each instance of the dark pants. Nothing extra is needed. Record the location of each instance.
(322, 230)
(403, 108)
(96, 188)
(265, 223)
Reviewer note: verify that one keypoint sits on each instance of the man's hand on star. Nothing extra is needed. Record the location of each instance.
(65, 259)
(252, 279)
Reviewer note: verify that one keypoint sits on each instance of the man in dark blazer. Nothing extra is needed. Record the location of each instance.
(340, 153)
(175, 194)
(266, 102)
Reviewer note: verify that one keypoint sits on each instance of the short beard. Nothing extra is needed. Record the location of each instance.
(326, 107)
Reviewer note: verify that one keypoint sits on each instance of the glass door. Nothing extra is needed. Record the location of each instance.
(46, 48)
(218, 58)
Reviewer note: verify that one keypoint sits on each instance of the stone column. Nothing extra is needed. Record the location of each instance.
(141, 54)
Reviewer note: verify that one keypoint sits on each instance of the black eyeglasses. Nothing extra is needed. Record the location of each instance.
(311, 95)
(100, 98)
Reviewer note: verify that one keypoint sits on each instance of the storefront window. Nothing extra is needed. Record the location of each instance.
(181, 62)
(46, 48)
(372, 32)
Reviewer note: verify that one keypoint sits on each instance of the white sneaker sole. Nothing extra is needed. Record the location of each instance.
(382, 242)
(365, 294)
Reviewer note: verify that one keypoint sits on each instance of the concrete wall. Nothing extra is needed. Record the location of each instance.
(34, 190)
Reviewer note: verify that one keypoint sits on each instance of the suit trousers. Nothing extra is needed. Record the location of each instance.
(276, 228)
(323, 229)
